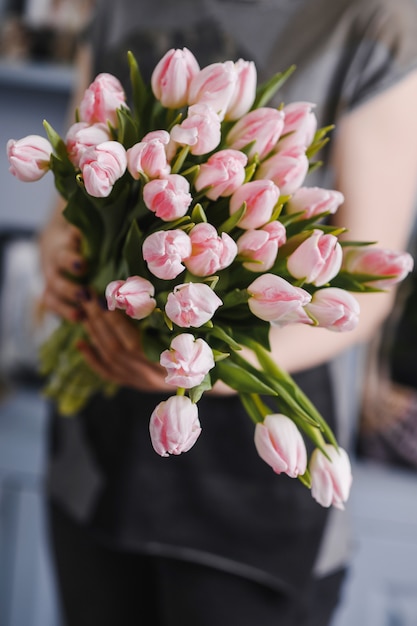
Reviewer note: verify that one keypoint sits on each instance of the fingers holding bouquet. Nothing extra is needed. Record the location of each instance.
(63, 268)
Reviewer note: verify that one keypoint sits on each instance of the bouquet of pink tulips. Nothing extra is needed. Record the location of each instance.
(196, 222)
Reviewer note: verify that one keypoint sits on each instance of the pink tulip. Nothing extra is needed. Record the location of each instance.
(210, 251)
(280, 444)
(262, 126)
(335, 309)
(164, 251)
(187, 361)
(275, 300)
(192, 304)
(311, 201)
(101, 100)
(317, 259)
(245, 90)
(148, 157)
(330, 479)
(174, 426)
(81, 136)
(391, 266)
(288, 171)
(215, 86)
(102, 166)
(133, 295)
(171, 77)
(260, 247)
(299, 127)
(260, 197)
(224, 173)
(200, 130)
(169, 198)
(29, 157)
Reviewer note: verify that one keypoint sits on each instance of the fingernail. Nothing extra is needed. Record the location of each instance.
(78, 266)
(103, 303)
(81, 345)
(79, 315)
(83, 294)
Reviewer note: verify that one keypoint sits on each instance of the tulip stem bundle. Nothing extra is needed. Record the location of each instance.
(197, 222)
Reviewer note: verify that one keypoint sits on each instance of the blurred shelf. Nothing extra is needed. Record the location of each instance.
(42, 76)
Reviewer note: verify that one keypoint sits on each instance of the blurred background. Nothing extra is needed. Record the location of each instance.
(37, 46)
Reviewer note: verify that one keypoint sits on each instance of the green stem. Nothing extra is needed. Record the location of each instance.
(180, 159)
(286, 396)
(251, 407)
(270, 366)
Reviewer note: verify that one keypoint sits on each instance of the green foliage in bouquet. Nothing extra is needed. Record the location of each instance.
(306, 280)
(114, 229)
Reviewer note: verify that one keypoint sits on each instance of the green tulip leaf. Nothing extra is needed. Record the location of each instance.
(267, 90)
(197, 392)
(241, 380)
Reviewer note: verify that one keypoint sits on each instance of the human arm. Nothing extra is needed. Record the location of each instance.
(375, 164)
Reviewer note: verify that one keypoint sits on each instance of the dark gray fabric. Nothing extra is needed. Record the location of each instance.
(101, 586)
(218, 504)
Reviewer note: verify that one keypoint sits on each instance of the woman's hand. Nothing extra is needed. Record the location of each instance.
(114, 350)
(61, 259)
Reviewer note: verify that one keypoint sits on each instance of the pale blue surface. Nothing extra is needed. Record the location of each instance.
(27, 592)
(382, 586)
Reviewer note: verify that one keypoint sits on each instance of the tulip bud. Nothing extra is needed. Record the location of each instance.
(81, 136)
(215, 86)
(331, 479)
(148, 157)
(312, 201)
(260, 197)
(275, 300)
(334, 309)
(29, 157)
(317, 259)
(390, 266)
(187, 361)
(299, 127)
(102, 166)
(201, 130)
(262, 126)
(192, 304)
(245, 90)
(172, 76)
(164, 251)
(210, 251)
(101, 100)
(133, 295)
(260, 247)
(280, 444)
(223, 173)
(169, 198)
(174, 426)
(288, 171)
